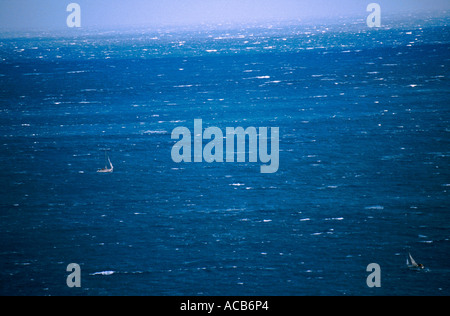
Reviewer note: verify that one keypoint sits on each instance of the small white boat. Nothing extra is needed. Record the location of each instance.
(411, 263)
(106, 169)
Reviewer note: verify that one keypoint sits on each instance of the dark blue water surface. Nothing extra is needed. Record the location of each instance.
(364, 160)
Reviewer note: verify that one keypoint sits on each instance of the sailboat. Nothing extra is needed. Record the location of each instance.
(411, 263)
(106, 169)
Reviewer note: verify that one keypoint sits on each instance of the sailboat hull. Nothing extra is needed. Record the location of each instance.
(105, 171)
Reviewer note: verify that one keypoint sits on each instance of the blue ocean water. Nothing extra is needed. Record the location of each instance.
(364, 160)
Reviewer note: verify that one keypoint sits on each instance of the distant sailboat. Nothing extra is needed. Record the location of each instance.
(106, 169)
(411, 263)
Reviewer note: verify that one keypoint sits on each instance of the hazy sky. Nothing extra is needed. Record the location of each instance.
(36, 14)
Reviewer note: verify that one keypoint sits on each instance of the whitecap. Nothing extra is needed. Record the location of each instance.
(334, 219)
(76, 72)
(154, 132)
(103, 273)
(374, 207)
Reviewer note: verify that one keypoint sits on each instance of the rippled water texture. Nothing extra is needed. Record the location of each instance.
(363, 177)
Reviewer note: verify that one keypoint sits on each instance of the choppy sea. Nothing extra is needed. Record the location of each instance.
(363, 178)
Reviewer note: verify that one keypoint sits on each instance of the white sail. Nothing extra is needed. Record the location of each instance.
(413, 262)
(111, 165)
